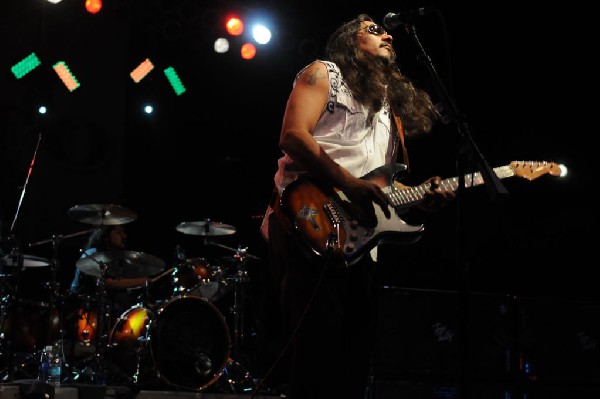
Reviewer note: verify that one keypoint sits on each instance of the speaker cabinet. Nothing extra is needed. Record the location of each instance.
(535, 344)
(420, 333)
(559, 340)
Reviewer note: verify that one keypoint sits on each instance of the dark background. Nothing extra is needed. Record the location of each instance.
(518, 75)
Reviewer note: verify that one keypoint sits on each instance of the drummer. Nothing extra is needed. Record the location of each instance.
(107, 238)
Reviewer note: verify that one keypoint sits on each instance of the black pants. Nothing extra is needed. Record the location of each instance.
(331, 317)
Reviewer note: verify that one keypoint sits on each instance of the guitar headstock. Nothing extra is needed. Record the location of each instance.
(531, 170)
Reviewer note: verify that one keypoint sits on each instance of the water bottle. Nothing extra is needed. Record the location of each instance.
(55, 363)
(44, 371)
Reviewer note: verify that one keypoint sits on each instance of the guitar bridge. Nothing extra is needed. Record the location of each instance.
(336, 219)
(333, 214)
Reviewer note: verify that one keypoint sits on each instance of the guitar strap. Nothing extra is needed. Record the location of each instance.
(400, 130)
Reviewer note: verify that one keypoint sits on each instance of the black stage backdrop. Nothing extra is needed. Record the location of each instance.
(518, 75)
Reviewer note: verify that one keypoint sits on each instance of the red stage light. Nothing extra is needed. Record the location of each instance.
(93, 6)
(234, 26)
(248, 51)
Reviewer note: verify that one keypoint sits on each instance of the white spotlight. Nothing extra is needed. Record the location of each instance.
(221, 45)
(261, 34)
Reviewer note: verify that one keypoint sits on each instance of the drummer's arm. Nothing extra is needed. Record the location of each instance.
(120, 283)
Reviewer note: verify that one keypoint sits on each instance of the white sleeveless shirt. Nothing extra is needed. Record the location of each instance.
(345, 131)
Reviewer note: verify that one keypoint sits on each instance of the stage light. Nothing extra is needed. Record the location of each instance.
(62, 70)
(248, 51)
(141, 70)
(25, 66)
(221, 45)
(234, 26)
(174, 80)
(93, 6)
(261, 34)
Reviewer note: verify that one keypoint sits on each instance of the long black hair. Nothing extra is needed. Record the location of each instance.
(373, 79)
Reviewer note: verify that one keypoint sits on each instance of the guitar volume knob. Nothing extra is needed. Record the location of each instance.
(354, 224)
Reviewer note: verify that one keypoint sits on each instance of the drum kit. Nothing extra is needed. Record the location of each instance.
(183, 340)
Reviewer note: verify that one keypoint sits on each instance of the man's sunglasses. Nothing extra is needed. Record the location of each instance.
(375, 29)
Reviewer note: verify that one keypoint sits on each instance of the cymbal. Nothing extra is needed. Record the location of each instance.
(102, 214)
(123, 264)
(205, 228)
(28, 261)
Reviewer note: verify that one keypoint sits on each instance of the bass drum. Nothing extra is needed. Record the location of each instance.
(190, 343)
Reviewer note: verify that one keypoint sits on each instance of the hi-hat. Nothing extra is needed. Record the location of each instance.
(205, 228)
(123, 264)
(102, 214)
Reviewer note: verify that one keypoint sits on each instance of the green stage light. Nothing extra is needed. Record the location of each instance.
(25, 66)
(174, 80)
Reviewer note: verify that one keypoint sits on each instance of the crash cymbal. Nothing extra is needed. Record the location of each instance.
(123, 264)
(205, 228)
(102, 214)
(28, 261)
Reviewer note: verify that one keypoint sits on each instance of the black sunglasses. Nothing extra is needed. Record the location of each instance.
(375, 29)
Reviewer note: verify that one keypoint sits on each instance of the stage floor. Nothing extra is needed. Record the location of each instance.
(36, 390)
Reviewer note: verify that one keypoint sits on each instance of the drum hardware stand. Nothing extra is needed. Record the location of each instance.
(237, 377)
(10, 308)
(7, 302)
(142, 352)
(240, 282)
(239, 301)
(54, 288)
(98, 373)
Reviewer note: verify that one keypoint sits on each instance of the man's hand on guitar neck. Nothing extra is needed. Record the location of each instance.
(435, 197)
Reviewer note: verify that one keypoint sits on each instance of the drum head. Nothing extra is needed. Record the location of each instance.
(127, 343)
(190, 343)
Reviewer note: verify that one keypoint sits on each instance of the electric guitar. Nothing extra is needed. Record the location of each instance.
(327, 222)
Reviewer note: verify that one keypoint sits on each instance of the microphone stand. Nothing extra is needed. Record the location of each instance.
(467, 149)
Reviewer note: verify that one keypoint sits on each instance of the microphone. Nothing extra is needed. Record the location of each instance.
(392, 20)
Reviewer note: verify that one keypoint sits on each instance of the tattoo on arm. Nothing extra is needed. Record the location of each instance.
(313, 76)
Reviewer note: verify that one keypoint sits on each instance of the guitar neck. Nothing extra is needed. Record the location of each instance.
(401, 198)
